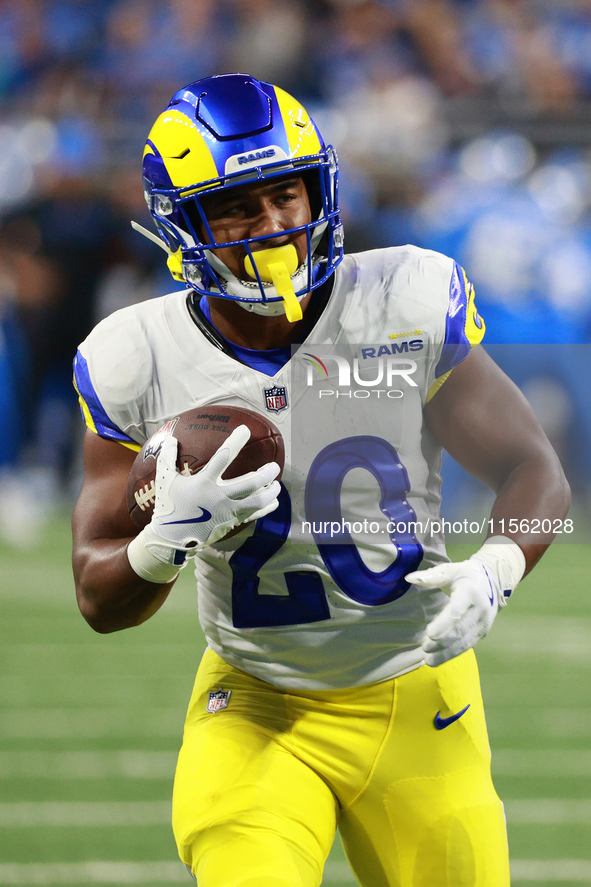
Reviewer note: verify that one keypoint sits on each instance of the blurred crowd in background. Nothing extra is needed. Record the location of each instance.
(461, 125)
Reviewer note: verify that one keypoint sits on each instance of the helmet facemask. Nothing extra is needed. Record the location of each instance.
(183, 225)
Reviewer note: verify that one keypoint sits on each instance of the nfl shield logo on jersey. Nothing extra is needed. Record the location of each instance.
(218, 699)
(275, 398)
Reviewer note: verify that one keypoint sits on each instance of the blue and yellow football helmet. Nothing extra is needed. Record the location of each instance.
(232, 130)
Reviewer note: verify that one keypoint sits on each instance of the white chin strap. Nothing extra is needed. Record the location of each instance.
(267, 309)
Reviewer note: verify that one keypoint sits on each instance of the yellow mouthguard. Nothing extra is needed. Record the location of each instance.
(276, 266)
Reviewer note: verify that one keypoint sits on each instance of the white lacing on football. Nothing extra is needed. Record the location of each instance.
(146, 495)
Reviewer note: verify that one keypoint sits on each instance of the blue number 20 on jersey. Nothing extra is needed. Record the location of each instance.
(306, 601)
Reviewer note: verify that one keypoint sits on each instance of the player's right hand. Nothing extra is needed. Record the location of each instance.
(192, 511)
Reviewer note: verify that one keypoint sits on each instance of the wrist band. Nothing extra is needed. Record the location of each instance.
(505, 557)
(152, 560)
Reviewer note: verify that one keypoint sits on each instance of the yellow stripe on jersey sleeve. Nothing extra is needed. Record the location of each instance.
(437, 385)
(130, 446)
(92, 427)
(87, 415)
(475, 327)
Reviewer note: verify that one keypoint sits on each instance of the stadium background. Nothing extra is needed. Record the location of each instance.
(461, 126)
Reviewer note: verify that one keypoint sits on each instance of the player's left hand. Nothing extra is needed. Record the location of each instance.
(475, 593)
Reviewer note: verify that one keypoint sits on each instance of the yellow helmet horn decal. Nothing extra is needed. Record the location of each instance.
(183, 149)
(299, 129)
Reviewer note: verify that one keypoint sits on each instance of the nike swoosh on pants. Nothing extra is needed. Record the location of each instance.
(442, 723)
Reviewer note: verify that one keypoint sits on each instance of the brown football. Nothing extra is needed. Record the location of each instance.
(200, 432)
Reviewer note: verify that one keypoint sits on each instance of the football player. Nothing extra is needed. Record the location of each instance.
(335, 691)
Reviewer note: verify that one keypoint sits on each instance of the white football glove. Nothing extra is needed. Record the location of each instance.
(193, 511)
(477, 588)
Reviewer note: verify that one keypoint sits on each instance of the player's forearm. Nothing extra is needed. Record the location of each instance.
(111, 596)
(531, 504)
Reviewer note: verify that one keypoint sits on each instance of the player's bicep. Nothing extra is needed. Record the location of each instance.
(483, 420)
(101, 510)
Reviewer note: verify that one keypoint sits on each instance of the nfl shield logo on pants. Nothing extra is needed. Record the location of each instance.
(276, 398)
(218, 699)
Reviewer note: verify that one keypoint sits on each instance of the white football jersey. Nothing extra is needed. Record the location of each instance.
(314, 596)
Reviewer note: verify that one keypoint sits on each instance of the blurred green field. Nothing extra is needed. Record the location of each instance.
(90, 726)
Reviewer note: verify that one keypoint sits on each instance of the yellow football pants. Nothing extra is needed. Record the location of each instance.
(262, 785)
